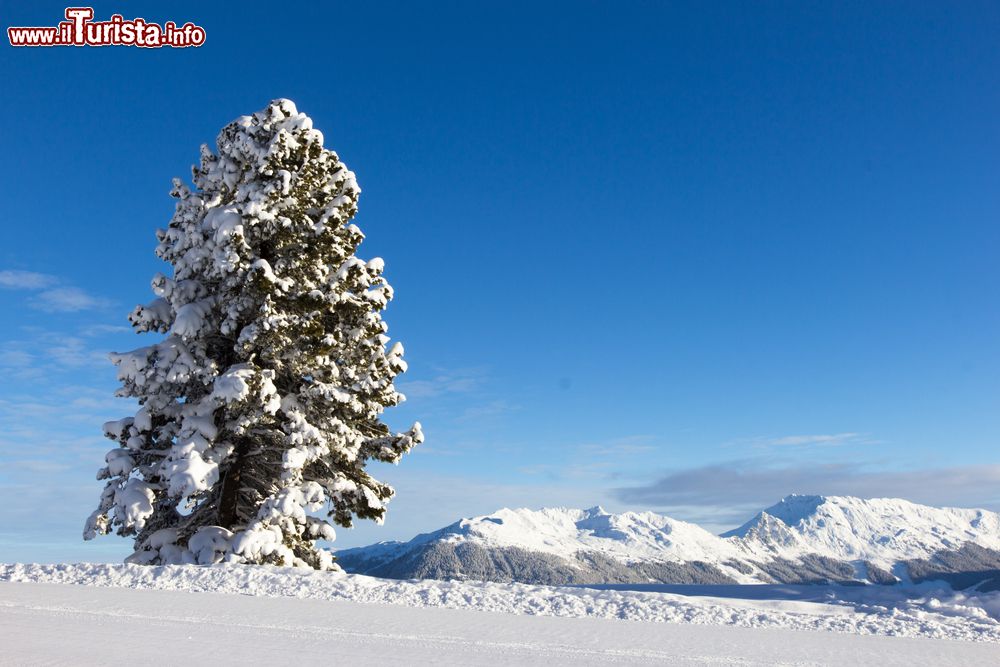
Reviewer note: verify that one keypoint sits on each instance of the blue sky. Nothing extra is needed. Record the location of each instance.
(671, 256)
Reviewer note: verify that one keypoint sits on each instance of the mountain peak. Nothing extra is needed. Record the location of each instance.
(794, 508)
(772, 522)
(830, 536)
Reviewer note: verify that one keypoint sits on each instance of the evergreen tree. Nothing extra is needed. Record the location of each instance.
(262, 402)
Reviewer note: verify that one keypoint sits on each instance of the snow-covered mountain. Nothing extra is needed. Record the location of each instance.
(802, 539)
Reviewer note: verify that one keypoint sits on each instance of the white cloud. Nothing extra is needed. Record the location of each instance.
(14, 279)
(627, 446)
(66, 300)
(71, 351)
(731, 489)
(453, 382)
(813, 440)
(568, 471)
(50, 352)
(486, 410)
(12, 358)
(53, 297)
(797, 440)
(101, 329)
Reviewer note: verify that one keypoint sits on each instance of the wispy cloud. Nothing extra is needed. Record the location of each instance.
(66, 300)
(451, 382)
(629, 445)
(594, 461)
(486, 410)
(803, 441)
(14, 279)
(47, 353)
(101, 329)
(569, 471)
(457, 396)
(739, 485)
(67, 405)
(72, 351)
(800, 440)
(51, 295)
(14, 358)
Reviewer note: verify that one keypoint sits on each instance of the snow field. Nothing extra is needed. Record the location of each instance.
(887, 611)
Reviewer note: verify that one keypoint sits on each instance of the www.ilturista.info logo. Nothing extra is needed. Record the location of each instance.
(79, 29)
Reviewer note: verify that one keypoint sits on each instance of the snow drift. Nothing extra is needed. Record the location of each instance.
(901, 611)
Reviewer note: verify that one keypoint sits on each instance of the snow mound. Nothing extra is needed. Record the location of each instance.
(897, 611)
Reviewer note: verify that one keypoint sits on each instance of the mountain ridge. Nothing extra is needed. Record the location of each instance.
(800, 539)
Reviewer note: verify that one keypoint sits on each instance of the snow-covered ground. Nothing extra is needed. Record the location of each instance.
(294, 614)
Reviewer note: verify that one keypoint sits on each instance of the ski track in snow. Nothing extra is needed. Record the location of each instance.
(891, 611)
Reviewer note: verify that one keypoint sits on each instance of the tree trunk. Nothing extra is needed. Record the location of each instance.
(229, 496)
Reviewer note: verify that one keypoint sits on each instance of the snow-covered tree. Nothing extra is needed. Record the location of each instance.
(261, 405)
